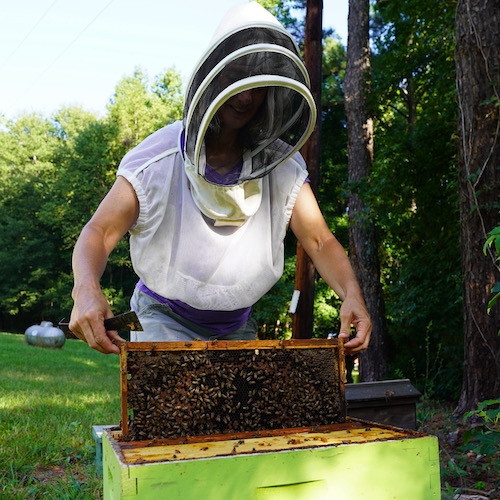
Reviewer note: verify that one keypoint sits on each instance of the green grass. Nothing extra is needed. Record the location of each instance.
(49, 401)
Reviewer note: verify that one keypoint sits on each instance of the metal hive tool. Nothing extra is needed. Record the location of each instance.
(173, 390)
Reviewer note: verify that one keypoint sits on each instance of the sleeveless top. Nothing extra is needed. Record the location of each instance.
(180, 254)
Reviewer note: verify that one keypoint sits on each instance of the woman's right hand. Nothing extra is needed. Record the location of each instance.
(87, 320)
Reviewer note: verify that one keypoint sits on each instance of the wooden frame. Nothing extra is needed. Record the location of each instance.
(333, 345)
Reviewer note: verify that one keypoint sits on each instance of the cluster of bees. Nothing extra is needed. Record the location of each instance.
(174, 394)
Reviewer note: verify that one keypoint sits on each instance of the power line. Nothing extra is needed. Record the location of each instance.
(28, 35)
(68, 46)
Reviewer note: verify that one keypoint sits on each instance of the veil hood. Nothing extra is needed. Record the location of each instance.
(250, 49)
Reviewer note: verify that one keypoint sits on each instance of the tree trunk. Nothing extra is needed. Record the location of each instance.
(302, 326)
(477, 62)
(362, 238)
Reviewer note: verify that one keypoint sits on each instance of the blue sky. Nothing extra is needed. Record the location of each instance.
(73, 52)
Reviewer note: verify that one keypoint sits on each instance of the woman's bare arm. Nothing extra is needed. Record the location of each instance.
(333, 265)
(115, 216)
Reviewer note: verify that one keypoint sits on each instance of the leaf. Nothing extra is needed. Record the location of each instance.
(492, 302)
(492, 99)
(468, 435)
(494, 237)
(489, 242)
(490, 402)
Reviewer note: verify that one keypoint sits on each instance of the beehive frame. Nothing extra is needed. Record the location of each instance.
(173, 390)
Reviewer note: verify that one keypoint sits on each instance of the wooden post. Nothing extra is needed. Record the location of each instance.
(302, 326)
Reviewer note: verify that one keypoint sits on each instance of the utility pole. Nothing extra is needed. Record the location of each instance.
(302, 326)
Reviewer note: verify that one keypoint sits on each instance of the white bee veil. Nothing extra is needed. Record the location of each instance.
(249, 50)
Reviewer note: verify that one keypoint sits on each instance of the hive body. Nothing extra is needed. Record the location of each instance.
(351, 461)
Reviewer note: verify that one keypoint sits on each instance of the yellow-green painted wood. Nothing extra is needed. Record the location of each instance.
(406, 469)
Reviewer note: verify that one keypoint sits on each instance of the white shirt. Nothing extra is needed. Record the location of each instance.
(180, 254)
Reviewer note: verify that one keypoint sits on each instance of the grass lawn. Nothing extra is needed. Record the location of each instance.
(49, 401)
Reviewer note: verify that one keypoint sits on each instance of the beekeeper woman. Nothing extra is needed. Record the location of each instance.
(207, 201)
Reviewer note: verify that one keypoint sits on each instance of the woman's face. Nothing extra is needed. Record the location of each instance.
(237, 111)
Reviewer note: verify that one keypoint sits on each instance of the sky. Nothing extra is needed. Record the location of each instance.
(56, 53)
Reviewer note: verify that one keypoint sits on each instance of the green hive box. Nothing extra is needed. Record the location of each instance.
(354, 460)
(263, 420)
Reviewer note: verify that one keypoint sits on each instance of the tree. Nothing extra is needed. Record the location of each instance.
(139, 108)
(363, 249)
(412, 191)
(27, 242)
(54, 172)
(477, 60)
(86, 169)
(282, 10)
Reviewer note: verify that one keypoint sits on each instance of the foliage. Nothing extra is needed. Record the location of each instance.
(494, 240)
(271, 311)
(413, 190)
(53, 174)
(475, 459)
(334, 138)
(27, 241)
(50, 400)
(283, 11)
(139, 108)
(464, 471)
(484, 439)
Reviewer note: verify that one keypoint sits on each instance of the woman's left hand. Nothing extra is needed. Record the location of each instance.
(353, 312)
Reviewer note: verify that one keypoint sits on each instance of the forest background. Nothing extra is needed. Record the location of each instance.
(54, 171)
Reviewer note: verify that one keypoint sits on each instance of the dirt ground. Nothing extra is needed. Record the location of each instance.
(464, 475)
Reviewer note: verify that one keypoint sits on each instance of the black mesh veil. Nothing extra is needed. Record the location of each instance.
(245, 59)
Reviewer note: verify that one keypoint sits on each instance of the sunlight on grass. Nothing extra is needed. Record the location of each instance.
(26, 402)
(87, 362)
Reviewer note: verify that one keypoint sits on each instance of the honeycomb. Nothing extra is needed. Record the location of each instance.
(179, 393)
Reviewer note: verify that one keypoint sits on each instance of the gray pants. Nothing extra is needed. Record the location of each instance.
(161, 324)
